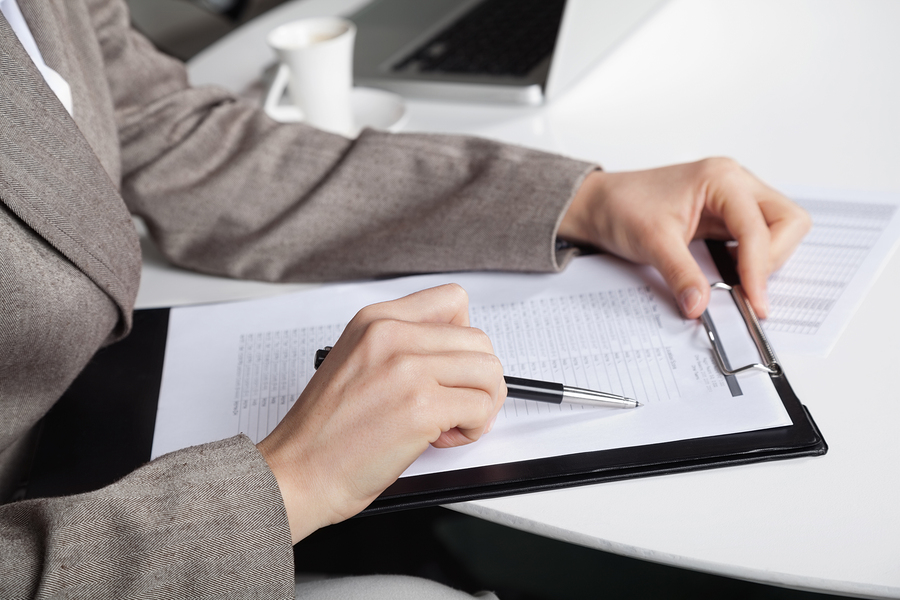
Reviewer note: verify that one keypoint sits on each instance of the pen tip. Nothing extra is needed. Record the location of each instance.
(636, 404)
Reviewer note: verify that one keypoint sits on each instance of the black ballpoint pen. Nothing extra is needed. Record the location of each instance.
(545, 391)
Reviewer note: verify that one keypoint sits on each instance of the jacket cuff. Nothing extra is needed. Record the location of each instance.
(206, 521)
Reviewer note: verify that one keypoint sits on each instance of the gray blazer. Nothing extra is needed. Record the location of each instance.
(223, 190)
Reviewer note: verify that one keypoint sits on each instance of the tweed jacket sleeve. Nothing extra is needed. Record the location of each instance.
(226, 190)
(205, 522)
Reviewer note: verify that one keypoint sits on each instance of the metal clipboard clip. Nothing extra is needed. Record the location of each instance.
(771, 365)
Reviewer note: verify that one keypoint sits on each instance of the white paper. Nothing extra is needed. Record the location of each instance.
(814, 295)
(602, 324)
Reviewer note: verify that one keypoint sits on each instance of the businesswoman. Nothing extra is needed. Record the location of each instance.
(96, 124)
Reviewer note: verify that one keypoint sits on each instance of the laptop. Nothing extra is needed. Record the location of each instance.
(501, 51)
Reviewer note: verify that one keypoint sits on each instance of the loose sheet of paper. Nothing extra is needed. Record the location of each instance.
(602, 324)
(814, 295)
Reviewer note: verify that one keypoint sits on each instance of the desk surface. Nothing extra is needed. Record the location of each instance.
(801, 92)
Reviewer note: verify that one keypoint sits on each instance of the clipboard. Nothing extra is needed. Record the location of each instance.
(117, 435)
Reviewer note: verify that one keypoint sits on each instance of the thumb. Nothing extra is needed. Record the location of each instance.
(683, 276)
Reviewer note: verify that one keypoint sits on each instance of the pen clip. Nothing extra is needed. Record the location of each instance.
(771, 365)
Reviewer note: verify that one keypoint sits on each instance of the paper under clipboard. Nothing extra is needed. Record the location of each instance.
(596, 448)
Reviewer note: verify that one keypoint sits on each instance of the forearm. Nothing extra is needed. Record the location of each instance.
(325, 208)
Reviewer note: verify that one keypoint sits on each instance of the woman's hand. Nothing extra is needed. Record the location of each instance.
(403, 375)
(649, 217)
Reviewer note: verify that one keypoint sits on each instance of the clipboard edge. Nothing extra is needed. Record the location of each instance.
(385, 504)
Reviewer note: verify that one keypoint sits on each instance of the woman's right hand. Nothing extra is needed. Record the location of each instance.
(403, 375)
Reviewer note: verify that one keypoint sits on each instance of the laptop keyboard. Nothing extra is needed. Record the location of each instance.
(496, 37)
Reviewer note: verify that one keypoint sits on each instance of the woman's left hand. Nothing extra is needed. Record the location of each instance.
(650, 217)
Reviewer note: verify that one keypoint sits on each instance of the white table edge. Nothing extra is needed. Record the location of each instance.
(773, 578)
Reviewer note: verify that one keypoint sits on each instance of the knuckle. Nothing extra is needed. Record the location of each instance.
(644, 230)
(483, 405)
(366, 311)
(480, 339)
(401, 366)
(414, 393)
(493, 368)
(489, 404)
(721, 163)
(492, 363)
(383, 331)
(678, 274)
(653, 244)
(380, 339)
(722, 167)
(457, 290)
(367, 314)
(419, 406)
(456, 294)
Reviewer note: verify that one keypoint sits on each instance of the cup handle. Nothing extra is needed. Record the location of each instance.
(284, 113)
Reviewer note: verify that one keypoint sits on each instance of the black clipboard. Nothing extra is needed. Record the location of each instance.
(102, 429)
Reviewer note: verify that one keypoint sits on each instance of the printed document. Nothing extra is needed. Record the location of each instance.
(814, 295)
(602, 324)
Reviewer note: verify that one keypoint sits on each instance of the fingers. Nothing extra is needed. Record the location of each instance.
(767, 227)
(747, 225)
(766, 224)
(388, 335)
(649, 216)
(453, 396)
(470, 429)
(788, 224)
(475, 392)
(443, 304)
(671, 257)
(448, 373)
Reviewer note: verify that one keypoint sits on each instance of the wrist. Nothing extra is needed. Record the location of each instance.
(301, 512)
(579, 224)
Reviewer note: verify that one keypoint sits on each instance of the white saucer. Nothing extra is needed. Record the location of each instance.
(373, 108)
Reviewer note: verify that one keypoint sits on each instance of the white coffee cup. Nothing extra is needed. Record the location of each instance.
(317, 68)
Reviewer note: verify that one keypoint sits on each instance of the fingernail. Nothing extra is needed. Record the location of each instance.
(690, 298)
(767, 308)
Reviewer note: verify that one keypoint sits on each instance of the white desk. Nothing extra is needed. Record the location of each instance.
(801, 92)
